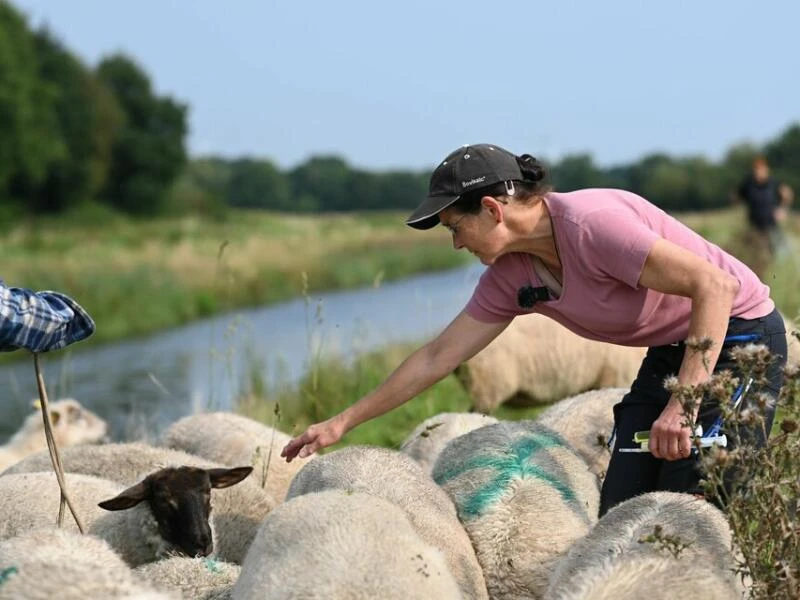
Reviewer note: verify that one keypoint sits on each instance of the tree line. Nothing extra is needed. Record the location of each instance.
(73, 135)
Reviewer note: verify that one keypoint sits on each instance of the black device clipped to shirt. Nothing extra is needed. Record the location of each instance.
(528, 296)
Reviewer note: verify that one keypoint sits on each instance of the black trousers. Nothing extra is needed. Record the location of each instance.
(631, 474)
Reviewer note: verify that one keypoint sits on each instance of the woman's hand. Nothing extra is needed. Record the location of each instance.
(315, 438)
(670, 437)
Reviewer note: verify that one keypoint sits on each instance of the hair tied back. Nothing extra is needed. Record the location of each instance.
(532, 169)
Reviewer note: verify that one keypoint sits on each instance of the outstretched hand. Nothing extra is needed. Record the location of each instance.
(314, 438)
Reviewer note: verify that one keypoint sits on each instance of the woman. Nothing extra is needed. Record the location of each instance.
(608, 265)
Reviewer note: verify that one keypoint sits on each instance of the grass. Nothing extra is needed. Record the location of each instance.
(331, 385)
(138, 277)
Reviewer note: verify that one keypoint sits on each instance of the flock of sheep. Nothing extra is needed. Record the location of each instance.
(469, 507)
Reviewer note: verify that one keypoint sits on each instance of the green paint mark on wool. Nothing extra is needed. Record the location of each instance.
(508, 465)
(212, 565)
(6, 574)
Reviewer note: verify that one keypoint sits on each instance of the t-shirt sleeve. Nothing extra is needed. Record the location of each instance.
(495, 297)
(618, 245)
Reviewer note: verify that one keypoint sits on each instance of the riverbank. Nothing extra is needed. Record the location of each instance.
(139, 277)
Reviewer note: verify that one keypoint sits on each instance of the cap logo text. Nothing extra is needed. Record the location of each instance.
(473, 181)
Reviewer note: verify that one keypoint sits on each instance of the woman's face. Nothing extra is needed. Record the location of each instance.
(478, 233)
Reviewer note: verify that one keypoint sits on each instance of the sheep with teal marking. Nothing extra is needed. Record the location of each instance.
(196, 578)
(622, 557)
(237, 510)
(397, 478)
(58, 564)
(524, 496)
(426, 442)
(337, 544)
(586, 421)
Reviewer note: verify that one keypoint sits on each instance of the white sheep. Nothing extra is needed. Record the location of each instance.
(336, 544)
(652, 578)
(537, 361)
(165, 514)
(586, 421)
(50, 563)
(238, 510)
(234, 440)
(72, 424)
(195, 578)
(427, 440)
(397, 478)
(524, 496)
(792, 341)
(616, 553)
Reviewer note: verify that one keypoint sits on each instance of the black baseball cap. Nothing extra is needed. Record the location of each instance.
(465, 169)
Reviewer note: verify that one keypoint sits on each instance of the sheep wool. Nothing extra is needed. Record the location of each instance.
(427, 440)
(234, 440)
(237, 510)
(524, 496)
(195, 578)
(72, 424)
(586, 421)
(615, 554)
(537, 361)
(337, 545)
(50, 563)
(397, 478)
(29, 501)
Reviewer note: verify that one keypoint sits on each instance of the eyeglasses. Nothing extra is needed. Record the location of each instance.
(453, 227)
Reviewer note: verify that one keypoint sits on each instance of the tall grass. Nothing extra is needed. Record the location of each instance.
(137, 277)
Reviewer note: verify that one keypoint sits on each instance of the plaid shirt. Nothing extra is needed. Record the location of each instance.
(40, 321)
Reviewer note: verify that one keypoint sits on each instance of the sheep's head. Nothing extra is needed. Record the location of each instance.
(180, 500)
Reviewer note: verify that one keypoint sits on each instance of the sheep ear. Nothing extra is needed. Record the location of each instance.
(222, 478)
(55, 416)
(127, 498)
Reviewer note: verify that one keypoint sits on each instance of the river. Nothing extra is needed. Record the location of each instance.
(142, 385)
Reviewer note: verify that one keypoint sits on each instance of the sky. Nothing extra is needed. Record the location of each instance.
(398, 85)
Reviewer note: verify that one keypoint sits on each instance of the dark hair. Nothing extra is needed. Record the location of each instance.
(531, 186)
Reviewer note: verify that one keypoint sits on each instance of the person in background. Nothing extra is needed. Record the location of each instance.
(40, 321)
(608, 265)
(767, 201)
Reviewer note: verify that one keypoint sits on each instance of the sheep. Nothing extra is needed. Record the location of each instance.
(586, 421)
(195, 578)
(169, 509)
(427, 440)
(337, 544)
(537, 361)
(231, 439)
(524, 496)
(50, 563)
(238, 510)
(792, 342)
(651, 577)
(72, 424)
(397, 478)
(615, 554)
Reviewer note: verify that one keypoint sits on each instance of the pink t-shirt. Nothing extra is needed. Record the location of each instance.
(603, 237)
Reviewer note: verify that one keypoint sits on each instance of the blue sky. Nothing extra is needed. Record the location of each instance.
(399, 85)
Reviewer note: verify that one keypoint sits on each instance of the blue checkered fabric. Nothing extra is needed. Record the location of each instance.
(40, 321)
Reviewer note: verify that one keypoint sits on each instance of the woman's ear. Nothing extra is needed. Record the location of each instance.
(494, 207)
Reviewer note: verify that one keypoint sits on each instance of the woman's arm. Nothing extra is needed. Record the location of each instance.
(461, 340)
(673, 270)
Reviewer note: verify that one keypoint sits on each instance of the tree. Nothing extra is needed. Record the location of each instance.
(258, 184)
(150, 151)
(29, 141)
